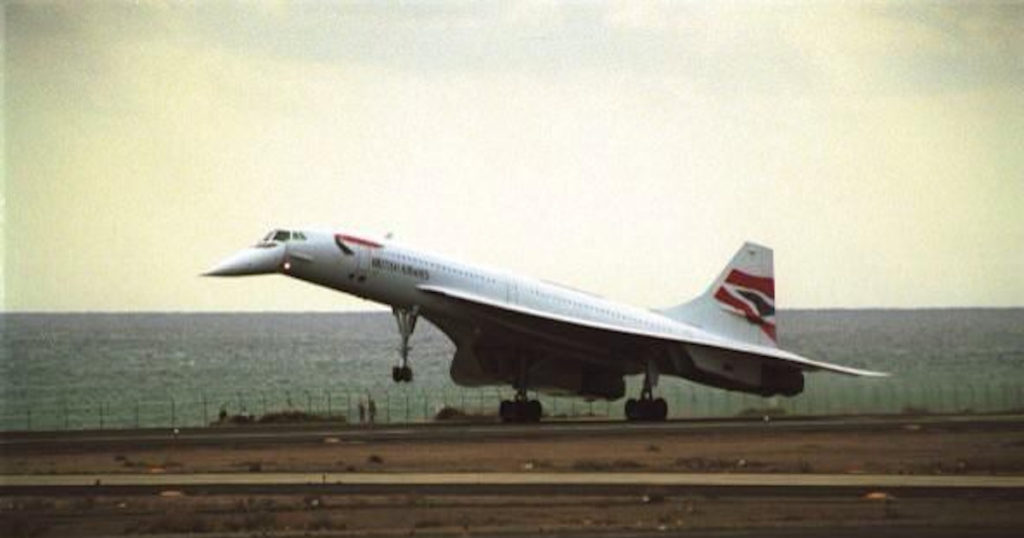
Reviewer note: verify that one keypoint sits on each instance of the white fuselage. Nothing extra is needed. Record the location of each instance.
(389, 273)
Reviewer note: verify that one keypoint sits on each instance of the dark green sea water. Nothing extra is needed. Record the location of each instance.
(119, 370)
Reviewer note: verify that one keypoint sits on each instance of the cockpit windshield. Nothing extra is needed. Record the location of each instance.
(282, 236)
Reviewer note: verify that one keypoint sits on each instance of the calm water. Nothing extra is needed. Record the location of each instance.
(81, 370)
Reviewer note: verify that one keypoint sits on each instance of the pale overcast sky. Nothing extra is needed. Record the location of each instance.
(626, 148)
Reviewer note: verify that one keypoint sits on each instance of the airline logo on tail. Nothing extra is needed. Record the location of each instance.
(752, 297)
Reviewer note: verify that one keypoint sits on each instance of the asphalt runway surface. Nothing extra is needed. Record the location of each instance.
(601, 483)
(12, 442)
(393, 501)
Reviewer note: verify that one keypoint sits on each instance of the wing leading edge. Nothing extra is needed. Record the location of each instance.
(693, 337)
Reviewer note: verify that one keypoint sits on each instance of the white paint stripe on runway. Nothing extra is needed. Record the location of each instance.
(512, 479)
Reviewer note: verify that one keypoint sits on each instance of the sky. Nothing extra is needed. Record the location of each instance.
(626, 148)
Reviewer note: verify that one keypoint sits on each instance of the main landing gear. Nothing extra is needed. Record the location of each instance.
(647, 408)
(522, 408)
(406, 318)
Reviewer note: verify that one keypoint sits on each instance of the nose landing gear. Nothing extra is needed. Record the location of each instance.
(406, 319)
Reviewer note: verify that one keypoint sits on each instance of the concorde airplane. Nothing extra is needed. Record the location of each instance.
(537, 335)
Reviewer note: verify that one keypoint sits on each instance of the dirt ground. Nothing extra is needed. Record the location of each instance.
(911, 450)
(405, 515)
(914, 449)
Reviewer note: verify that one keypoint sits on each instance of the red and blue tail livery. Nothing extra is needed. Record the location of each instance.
(752, 297)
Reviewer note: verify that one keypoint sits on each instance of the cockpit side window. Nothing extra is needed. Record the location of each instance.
(282, 235)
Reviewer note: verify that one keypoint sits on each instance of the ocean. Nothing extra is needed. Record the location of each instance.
(73, 371)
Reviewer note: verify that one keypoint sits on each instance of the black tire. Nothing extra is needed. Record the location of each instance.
(533, 411)
(407, 374)
(631, 409)
(505, 410)
(659, 409)
(396, 374)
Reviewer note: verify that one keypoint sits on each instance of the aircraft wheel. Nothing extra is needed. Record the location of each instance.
(659, 409)
(533, 411)
(505, 410)
(401, 373)
(632, 409)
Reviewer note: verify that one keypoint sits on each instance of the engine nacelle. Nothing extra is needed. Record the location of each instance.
(782, 380)
(480, 366)
(602, 384)
(734, 370)
(576, 378)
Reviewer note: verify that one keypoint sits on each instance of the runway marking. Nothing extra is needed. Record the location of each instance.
(513, 479)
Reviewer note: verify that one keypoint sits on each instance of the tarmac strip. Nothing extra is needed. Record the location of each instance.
(513, 483)
(13, 442)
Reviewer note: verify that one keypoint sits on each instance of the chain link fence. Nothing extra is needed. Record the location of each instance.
(399, 404)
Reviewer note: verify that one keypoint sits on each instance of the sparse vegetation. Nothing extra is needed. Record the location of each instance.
(915, 410)
(596, 465)
(760, 412)
(707, 464)
(292, 416)
(448, 413)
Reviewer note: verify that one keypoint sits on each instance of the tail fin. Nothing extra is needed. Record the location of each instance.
(740, 303)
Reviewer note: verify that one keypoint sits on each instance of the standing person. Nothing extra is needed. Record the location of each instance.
(362, 412)
(373, 411)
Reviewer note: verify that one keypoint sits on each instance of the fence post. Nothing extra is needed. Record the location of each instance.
(136, 413)
(173, 413)
(65, 414)
(28, 419)
(329, 413)
(206, 417)
(101, 414)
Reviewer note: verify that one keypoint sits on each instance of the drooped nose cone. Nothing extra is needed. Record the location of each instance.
(260, 260)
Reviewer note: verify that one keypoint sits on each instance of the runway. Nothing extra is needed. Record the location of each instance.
(12, 442)
(847, 476)
(512, 483)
